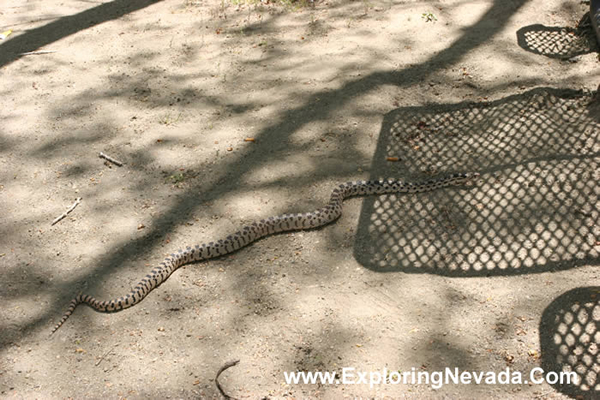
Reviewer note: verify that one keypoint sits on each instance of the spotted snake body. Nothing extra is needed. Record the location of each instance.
(257, 230)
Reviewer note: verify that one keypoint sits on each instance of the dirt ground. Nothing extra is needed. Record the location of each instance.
(503, 274)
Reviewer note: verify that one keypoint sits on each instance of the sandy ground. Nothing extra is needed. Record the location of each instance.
(499, 275)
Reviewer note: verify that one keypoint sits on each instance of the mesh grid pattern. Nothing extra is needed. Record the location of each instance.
(558, 42)
(535, 209)
(570, 335)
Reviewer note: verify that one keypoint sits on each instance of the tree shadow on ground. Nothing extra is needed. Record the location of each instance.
(456, 144)
(65, 26)
(230, 172)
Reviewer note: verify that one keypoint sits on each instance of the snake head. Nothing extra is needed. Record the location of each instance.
(468, 178)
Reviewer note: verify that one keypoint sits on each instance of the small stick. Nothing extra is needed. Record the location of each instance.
(106, 354)
(32, 53)
(67, 212)
(223, 368)
(112, 160)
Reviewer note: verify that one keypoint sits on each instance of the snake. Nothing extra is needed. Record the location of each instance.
(259, 229)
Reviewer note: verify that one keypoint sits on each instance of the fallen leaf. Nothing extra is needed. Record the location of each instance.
(532, 353)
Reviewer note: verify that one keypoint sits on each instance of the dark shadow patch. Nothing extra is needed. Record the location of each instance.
(67, 26)
(226, 180)
(595, 18)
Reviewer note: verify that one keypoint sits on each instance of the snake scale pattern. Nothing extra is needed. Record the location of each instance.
(257, 230)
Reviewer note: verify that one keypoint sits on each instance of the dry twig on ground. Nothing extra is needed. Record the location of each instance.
(223, 368)
(112, 160)
(66, 212)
